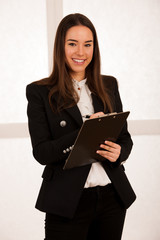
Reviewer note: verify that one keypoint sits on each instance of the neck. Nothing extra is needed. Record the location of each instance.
(78, 77)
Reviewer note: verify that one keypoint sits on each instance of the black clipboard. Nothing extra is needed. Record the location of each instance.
(92, 133)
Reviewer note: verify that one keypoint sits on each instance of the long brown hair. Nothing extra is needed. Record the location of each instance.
(60, 80)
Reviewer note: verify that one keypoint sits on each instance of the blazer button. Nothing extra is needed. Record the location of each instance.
(63, 123)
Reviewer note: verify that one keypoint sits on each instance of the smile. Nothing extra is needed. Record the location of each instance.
(78, 60)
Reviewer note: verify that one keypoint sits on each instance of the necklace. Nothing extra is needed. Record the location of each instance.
(78, 85)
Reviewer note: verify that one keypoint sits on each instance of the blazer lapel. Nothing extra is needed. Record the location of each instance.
(72, 111)
(75, 113)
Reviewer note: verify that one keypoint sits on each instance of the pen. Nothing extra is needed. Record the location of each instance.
(86, 116)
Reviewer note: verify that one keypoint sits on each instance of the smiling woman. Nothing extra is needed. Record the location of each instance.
(78, 50)
(85, 202)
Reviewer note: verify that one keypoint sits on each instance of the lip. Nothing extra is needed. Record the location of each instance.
(78, 61)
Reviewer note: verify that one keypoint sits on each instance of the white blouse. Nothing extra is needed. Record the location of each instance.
(97, 175)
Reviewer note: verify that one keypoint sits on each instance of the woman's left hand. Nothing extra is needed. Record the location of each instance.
(111, 151)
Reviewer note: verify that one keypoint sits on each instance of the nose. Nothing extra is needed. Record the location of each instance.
(80, 50)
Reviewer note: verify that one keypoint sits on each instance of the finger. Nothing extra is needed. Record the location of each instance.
(110, 149)
(107, 147)
(108, 155)
(95, 115)
(111, 144)
(105, 153)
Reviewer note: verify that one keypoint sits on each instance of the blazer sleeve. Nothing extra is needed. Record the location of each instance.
(46, 150)
(124, 139)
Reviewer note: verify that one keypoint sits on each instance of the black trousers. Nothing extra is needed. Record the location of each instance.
(100, 216)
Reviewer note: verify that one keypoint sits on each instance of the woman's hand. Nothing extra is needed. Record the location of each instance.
(97, 114)
(111, 151)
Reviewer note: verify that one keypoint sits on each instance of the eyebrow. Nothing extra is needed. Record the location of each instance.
(73, 40)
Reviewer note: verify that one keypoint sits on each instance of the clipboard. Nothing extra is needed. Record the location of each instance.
(92, 133)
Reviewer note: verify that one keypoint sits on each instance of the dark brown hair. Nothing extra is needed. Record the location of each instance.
(60, 80)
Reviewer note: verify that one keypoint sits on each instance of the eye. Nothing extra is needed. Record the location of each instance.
(72, 44)
(88, 45)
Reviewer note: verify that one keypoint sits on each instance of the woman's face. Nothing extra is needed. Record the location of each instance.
(78, 50)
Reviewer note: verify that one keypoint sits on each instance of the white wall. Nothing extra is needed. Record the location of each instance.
(24, 53)
(129, 32)
(143, 169)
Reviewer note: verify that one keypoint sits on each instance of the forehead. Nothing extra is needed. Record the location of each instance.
(79, 33)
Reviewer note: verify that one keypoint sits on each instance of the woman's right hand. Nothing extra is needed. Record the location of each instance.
(95, 115)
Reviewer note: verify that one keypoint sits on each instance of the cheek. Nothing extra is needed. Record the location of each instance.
(68, 57)
(90, 54)
(68, 53)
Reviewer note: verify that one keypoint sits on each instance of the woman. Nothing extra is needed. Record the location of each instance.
(86, 202)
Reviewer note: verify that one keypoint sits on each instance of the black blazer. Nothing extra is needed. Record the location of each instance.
(61, 189)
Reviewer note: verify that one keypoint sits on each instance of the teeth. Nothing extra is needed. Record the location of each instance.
(78, 60)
